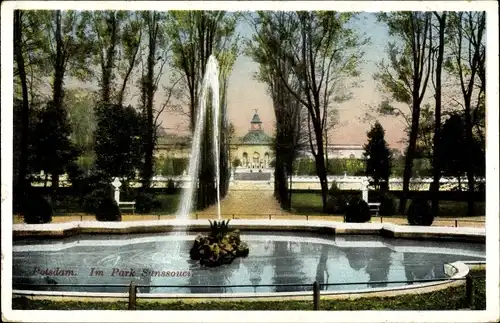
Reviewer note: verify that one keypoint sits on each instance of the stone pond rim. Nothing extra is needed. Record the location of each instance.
(68, 229)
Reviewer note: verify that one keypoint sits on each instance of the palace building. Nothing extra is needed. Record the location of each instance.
(254, 149)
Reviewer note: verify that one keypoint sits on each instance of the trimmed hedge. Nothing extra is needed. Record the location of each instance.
(357, 211)
(108, 210)
(36, 209)
(387, 205)
(420, 213)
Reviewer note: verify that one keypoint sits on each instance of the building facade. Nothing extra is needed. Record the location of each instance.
(253, 150)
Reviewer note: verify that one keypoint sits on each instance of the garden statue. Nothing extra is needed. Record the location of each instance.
(220, 247)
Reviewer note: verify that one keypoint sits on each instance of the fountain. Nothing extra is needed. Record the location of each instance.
(210, 81)
(206, 248)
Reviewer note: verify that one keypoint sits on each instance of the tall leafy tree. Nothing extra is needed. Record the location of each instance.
(436, 166)
(131, 38)
(452, 141)
(54, 151)
(467, 64)
(23, 130)
(66, 49)
(291, 119)
(32, 43)
(405, 76)
(118, 142)
(378, 157)
(156, 58)
(316, 45)
(105, 29)
(81, 115)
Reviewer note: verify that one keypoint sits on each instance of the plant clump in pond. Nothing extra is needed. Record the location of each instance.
(220, 247)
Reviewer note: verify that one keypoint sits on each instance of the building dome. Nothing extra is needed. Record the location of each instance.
(256, 137)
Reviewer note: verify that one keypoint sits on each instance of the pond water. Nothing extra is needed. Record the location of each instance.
(274, 259)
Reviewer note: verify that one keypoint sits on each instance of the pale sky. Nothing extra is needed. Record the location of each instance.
(246, 94)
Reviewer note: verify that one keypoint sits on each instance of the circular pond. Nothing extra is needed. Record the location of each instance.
(282, 259)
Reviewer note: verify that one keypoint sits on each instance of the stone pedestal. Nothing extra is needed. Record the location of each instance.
(117, 184)
(364, 190)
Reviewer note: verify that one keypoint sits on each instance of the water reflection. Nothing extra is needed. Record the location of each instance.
(378, 265)
(322, 273)
(288, 268)
(357, 257)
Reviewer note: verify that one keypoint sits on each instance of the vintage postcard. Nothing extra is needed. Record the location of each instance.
(298, 161)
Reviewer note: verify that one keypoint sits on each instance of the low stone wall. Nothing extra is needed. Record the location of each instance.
(61, 230)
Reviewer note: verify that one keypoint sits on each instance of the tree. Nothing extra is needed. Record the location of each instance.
(157, 55)
(406, 74)
(290, 137)
(105, 29)
(25, 110)
(65, 47)
(118, 142)
(453, 139)
(80, 105)
(53, 149)
(378, 157)
(436, 166)
(468, 65)
(33, 45)
(315, 44)
(131, 38)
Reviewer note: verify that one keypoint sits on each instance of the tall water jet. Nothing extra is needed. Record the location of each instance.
(210, 81)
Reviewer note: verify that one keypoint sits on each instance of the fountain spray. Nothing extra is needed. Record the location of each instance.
(210, 81)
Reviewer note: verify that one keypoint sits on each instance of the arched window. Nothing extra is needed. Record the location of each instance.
(266, 159)
(256, 158)
(245, 159)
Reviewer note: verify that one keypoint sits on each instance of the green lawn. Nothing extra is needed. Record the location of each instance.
(450, 299)
(311, 203)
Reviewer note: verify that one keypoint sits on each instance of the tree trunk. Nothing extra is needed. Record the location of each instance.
(25, 111)
(282, 186)
(437, 118)
(470, 160)
(121, 94)
(326, 153)
(58, 83)
(110, 59)
(148, 155)
(321, 171)
(409, 156)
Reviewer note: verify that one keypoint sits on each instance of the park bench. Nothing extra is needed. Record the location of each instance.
(374, 208)
(130, 206)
